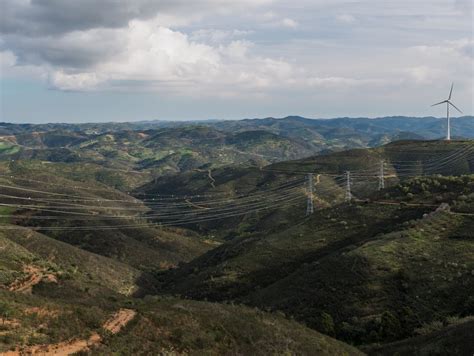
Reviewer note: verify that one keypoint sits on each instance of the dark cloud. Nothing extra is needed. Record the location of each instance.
(76, 34)
(71, 50)
(47, 17)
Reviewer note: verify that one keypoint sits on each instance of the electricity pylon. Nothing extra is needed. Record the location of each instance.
(381, 175)
(348, 186)
(309, 192)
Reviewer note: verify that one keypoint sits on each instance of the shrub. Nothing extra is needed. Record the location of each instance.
(325, 323)
(6, 311)
(390, 327)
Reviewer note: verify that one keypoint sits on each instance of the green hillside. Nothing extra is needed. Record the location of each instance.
(374, 270)
(53, 189)
(74, 304)
(224, 245)
(199, 328)
(425, 158)
(455, 338)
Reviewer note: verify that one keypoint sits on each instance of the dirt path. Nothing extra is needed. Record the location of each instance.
(35, 275)
(59, 349)
(119, 320)
(114, 324)
(209, 174)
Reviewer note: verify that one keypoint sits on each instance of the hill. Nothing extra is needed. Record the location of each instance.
(228, 250)
(54, 295)
(375, 270)
(159, 148)
(70, 206)
(281, 188)
(454, 339)
(183, 326)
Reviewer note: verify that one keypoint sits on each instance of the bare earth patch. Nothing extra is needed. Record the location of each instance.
(35, 276)
(116, 322)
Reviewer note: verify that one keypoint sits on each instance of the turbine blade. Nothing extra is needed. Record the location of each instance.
(454, 106)
(441, 102)
(451, 91)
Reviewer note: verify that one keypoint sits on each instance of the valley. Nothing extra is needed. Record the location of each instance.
(185, 238)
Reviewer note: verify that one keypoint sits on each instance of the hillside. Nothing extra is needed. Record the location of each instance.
(229, 190)
(233, 261)
(159, 148)
(72, 207)
(148, 154)
(183, 326)
(435, 339)
(357, 265)
(68, 300)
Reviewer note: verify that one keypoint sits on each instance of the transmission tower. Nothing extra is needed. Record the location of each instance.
(309, 191)
(382, 175)
(348, 186)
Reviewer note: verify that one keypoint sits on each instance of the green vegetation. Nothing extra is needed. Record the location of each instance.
(402, 264)
(391, 273)
(182, 326)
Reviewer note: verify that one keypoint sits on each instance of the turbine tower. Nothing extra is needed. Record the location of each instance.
(448, 102)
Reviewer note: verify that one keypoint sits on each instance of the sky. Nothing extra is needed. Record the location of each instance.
(124, 60)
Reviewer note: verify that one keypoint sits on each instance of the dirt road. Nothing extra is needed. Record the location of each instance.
(114, 324)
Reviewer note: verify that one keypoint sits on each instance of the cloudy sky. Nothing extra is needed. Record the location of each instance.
(89, 60)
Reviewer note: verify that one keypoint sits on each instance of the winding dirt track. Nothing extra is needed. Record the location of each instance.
(116, 322)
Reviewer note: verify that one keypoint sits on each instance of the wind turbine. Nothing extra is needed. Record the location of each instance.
(448, 102)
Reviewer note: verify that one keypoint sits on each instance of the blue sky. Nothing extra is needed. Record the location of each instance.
(118, 60)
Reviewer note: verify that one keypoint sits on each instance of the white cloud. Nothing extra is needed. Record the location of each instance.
(346, 18)
(422, 74)
(290, 23)
(7, 60)
(148, 56)
(340, 82)
(217, 36)
(245, 48)
(269, 15)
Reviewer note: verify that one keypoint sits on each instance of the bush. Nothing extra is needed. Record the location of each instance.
(390, 327)
(325, 323)
(6, 311)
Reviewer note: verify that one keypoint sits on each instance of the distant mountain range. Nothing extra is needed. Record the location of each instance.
(427, 127)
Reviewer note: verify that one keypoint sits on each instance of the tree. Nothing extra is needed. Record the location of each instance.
(5, 311)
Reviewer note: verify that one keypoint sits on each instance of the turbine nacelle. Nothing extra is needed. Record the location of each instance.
(449, 103)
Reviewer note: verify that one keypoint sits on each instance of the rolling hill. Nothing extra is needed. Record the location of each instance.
(200, 235)
(375, 269)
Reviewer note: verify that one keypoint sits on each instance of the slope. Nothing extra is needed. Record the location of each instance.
(375, 269)
(220, 190)
(182, 326)
(90, 215)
